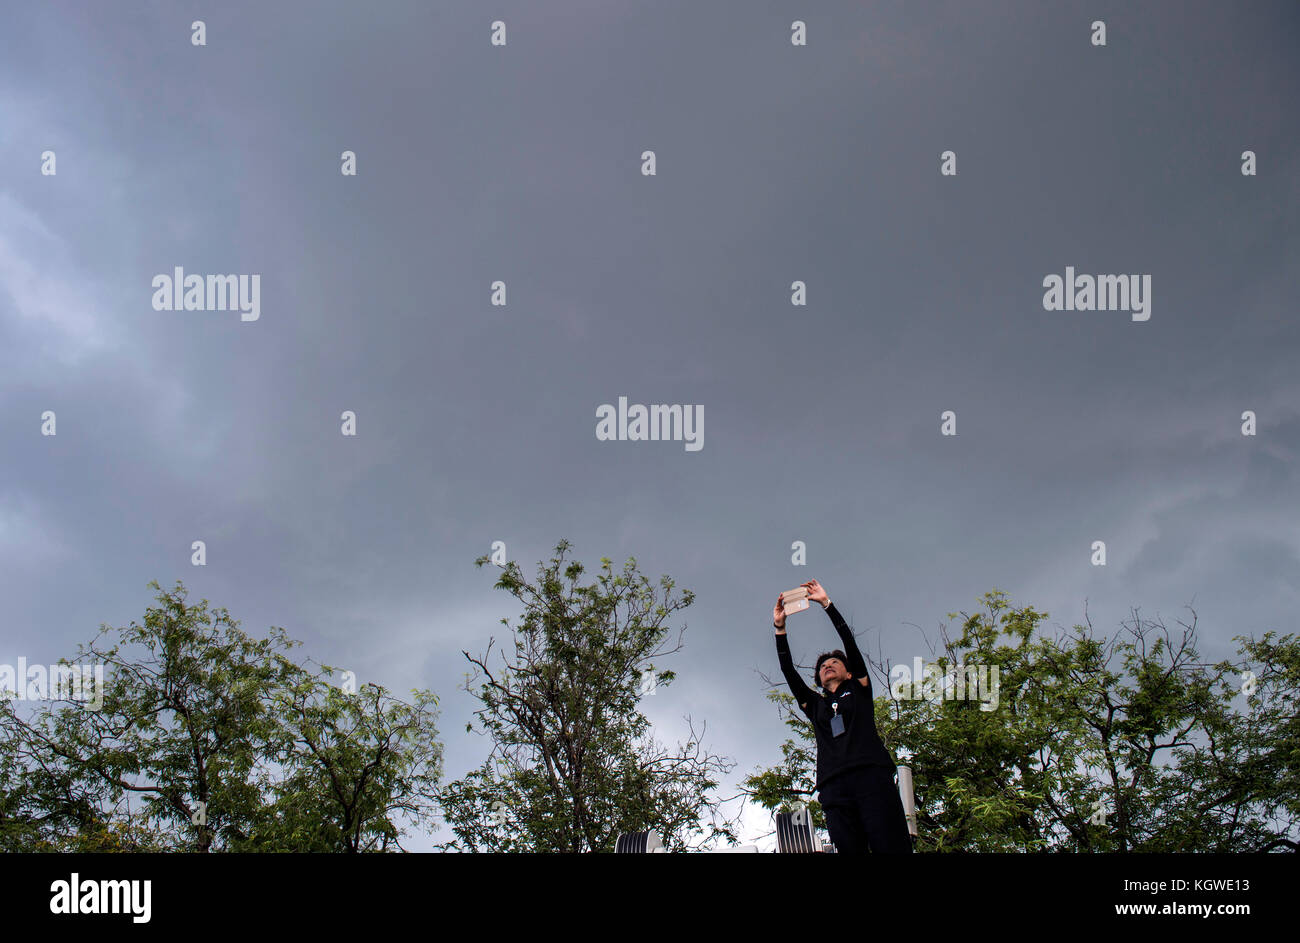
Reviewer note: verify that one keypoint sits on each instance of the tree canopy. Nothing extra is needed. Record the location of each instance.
(573, 764)
(210, 740)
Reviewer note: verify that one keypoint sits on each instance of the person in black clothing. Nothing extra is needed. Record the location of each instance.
(855, 773)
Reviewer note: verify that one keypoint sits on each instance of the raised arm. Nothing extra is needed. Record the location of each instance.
(857, 665)
(803, 694)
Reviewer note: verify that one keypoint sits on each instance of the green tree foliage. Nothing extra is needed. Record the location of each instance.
(352, 766)
(573, 765)
(210, 740)
(1128, 744)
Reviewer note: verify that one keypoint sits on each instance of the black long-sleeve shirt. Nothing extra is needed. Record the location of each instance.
(860, 744)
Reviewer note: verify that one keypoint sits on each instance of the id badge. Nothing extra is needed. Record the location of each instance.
(837, 725)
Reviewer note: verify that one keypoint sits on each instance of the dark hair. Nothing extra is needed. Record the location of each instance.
(817, 672)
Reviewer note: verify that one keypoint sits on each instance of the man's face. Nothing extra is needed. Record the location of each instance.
(833, 670)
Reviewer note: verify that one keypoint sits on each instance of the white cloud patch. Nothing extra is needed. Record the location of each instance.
(42, 288)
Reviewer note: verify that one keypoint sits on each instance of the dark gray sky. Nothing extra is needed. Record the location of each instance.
(477, 423)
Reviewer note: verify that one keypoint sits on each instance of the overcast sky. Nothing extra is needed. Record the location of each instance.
(476, 423)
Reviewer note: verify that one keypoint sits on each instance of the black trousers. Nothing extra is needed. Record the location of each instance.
(864, 812)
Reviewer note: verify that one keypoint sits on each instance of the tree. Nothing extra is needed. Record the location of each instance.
(1077, 756)
(208, 739)
(351, 763)
(572, 765)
